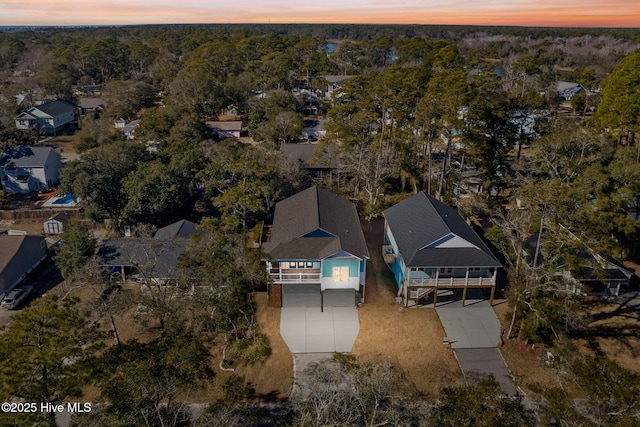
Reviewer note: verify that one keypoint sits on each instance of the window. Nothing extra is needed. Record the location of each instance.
(300, 264)
(446, 270)
(340, 274)
(475, 268)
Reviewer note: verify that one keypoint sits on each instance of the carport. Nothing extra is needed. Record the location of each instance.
(308, 329)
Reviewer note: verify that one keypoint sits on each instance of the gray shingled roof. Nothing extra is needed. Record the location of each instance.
(421, 220)
(57, 107)
(26, 157)
(306, 248)
(309, 211)
(304, 153)
(155, 258)
(183, 228)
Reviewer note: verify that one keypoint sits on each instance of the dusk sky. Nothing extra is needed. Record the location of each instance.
(562, 13)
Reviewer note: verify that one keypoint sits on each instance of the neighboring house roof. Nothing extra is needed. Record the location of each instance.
(568, 89)
(57, 107)
(26, 115)
(333, 79)
(60, 216)
(431, 234)
(130, 128)
(10, 246)
(229, 126)
(183, 229)
(19, 254)
(155, 258)
(92, 103)
(315, 224)
(26, 157)
(308, 158)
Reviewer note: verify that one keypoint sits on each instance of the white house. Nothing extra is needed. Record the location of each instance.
(25, 169)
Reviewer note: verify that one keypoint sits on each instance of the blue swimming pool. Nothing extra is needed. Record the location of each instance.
(66, 200)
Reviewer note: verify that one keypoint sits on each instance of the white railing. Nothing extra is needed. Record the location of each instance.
(294, 277)
(451, 281)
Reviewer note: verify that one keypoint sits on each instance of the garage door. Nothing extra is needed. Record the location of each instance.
(301, 295)
(309, 296)
(339, 298)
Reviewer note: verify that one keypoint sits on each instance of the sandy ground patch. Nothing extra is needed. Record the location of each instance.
(411, 339)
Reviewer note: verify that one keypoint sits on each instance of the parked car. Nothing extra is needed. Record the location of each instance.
(14, 297)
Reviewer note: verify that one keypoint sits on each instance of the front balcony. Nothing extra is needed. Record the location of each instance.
(278, 275)
(451, 282)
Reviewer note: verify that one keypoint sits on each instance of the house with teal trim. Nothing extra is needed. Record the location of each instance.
(317, 252)
(49, 118)
(430, 248)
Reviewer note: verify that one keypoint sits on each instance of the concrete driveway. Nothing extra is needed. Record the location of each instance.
(473, 326)
(485, 361)
(309, 330)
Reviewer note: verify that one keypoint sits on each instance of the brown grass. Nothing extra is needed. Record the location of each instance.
(525, 361)
(614, 333)
(411, 339)
(273, 379)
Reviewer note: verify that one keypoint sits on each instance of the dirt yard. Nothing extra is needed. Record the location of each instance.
(410, 339)
(614, 330)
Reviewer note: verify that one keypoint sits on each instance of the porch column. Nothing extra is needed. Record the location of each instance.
(466, 278)
(464, 295)
(495, 274)
(493, 291)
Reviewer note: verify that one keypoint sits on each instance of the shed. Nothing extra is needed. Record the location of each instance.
(56, 223)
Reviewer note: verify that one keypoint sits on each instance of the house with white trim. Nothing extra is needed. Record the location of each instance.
(429, 247)
(49, 118)
(25, 169)
(317, 252)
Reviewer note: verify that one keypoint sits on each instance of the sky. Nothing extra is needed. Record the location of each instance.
(556, 13)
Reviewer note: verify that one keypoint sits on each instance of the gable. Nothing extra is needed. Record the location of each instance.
(342, 255)
(319, 233)
(451, 240)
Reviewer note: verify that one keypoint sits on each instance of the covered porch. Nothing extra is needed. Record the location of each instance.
(432, 282)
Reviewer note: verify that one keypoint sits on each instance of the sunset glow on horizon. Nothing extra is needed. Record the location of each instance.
(540, 13)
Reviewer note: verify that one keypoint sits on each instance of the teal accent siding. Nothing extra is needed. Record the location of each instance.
(363, 262)
(398, 274)
(353, 264)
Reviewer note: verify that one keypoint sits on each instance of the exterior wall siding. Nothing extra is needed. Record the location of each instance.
(353, 280)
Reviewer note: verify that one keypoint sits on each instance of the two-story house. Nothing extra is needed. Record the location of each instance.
(24, 169)
(317, 252)
(428, 246)
(49, 118)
